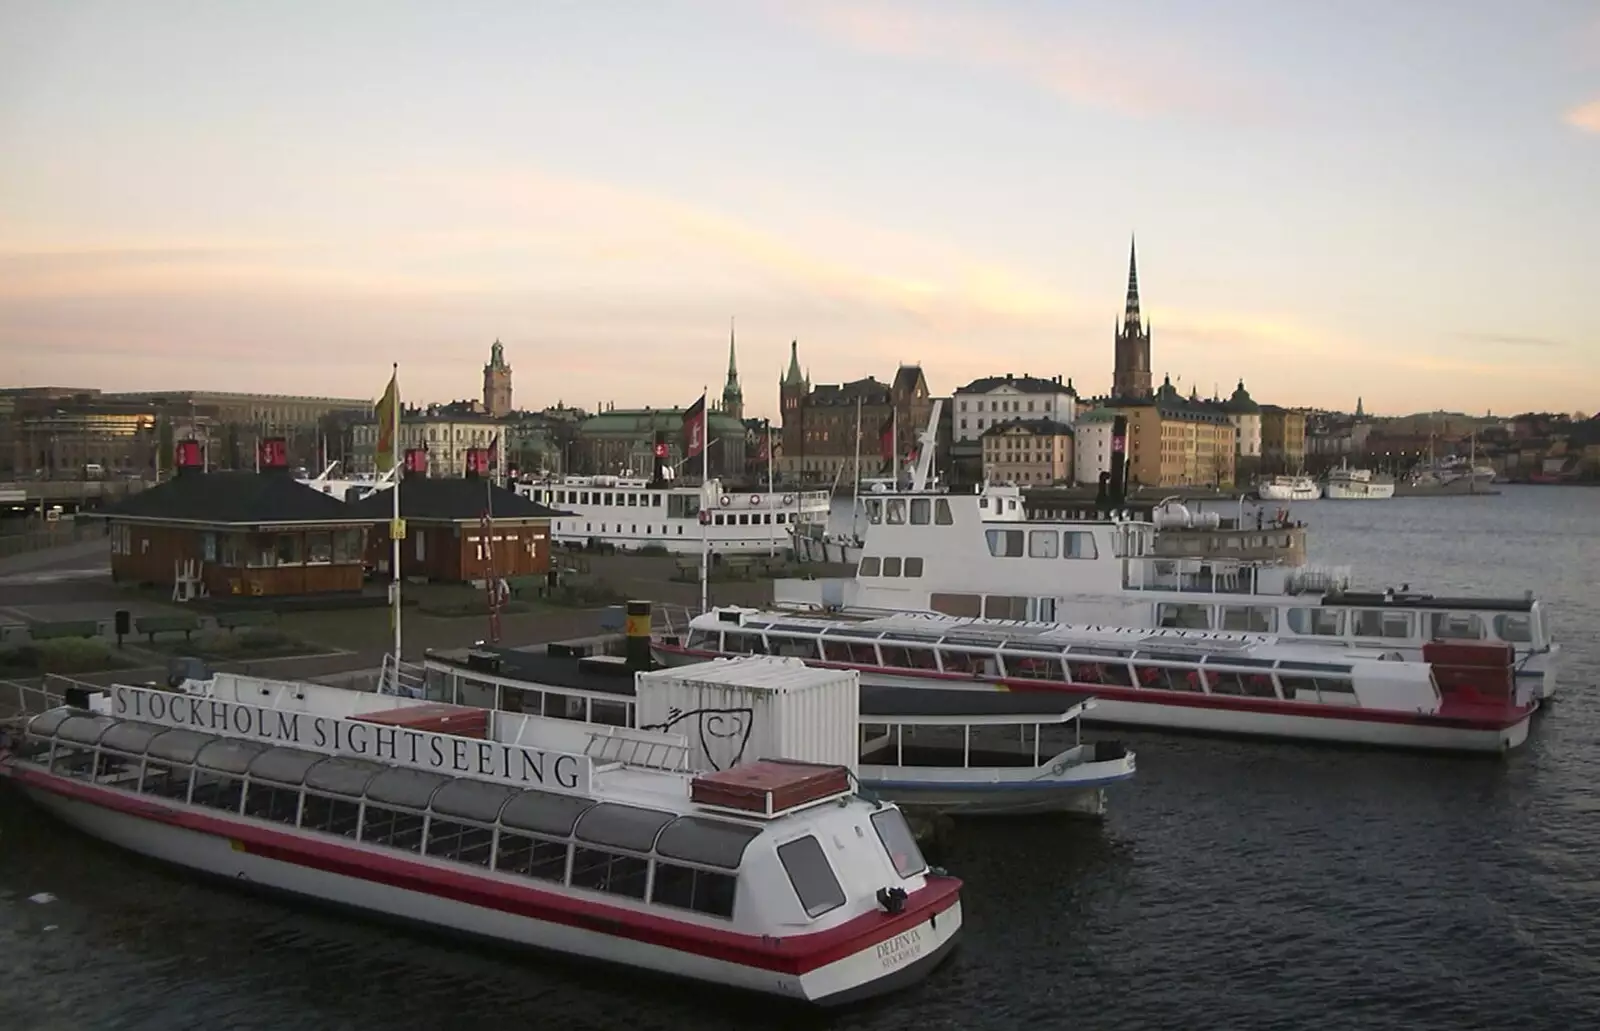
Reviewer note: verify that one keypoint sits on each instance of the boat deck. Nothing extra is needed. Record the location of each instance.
(949, 756)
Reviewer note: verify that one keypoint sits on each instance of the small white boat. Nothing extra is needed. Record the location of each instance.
(1346, 484)
(1288, 488)
(938, 750)
(594, 842)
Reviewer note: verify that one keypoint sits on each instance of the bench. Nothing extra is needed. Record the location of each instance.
(688, 569)
(238, 620)
(150, 626)
(68, 628)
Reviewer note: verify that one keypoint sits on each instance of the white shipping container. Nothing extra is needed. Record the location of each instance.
(759, 707)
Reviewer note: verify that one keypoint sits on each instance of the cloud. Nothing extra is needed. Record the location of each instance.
(1510, 340)
(1087, 65)
(1585, 117)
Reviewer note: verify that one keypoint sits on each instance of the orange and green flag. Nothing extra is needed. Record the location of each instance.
(387, 412)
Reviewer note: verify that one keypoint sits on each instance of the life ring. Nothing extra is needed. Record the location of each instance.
(788, 499)
(726, 501)
(755, 499)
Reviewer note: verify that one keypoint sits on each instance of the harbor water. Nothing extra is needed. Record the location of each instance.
(1234, 884)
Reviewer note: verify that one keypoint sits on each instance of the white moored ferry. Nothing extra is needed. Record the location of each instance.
(772, 876)
(977, 555)
(1288, 488)
(630, 513)
(1461, 697)
(1346, 484)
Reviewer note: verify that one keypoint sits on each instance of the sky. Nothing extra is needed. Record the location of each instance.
(1332, 198)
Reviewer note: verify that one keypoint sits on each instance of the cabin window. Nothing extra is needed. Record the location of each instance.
(859, 653)
(799, 647)
(1078, 544)
(1109, 672)
(341, 816)
(704, 640)
(217, 792)
(1301, 688)
(874, 511)
(869, 566)
(114, 766)
(1516, 627)
(743, 644)
(462, 842)
(1381, 623)
(972, 663)
(1000, 606)
(1317, 622)
(1032, 667)
(1224, 682)
(699, 891)
(395, 828)
(529, 856)
(271, 802)
(1165, 678)
(914, 566)
(1250, 619)
(970, 605)
(289, 549)
(599, 869)
(913, 657)
(347, 545)
(72, 762)
(896, 512)
(1456, 626)
(1005, 543)
(165, 780)
(891, 566)
(1183, 617)
(1043, 543)
(921, 511)
(319, 548)
(899, 842)
(812, 878)
(941, 512)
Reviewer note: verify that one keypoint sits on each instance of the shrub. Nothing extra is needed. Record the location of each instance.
(66, 655)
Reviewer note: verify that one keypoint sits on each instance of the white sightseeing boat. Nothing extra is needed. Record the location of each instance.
(978, 555)
(594, 842)
(1288, 488)
(630, 513)
(347, 488)
(1346, 484)
(1461, 697)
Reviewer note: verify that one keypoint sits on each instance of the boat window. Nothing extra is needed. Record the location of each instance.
(902, 657)
(1183, 617)
(1250, 685)
(941, 512)
(1516, 627)
(799, 647)
(914, 566)
(409, 789)
(976, 663)
(47, 723)
(1250, 619)
(697, 839)
(704, 640)
(1455, 626)
(891, 566)
(216, 791)
(859, 653)
(1004, 543)
(1078, 544)
(921, 511)
(472, 799)
(393, 828)
(743, 644)
(341, 775)
(330, 815)
(544, 812)
(1111, 673)
(1317, 622)
(895, 514)
(165, 780)
(970, 605)
(624, 826)
(812, 878)
(72, 762)
(1166, 678)
(462, 842)
(113, 767)
(874, 511)
(1032, 667)
(599, 870)
(1043, 543)
(869, 566)
(267, 801)
(1380, 623)
(899, 842)
(179, 746)
(700, 891)
(283, 766)
(999, 606)
(531, 856)
(229, 755)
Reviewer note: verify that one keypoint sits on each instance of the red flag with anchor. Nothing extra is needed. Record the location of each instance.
(886, 439)
(694, 428)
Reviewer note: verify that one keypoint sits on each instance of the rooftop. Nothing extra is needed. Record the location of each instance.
(235, 498)
(449, 500)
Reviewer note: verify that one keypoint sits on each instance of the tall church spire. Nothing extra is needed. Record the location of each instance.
(1130, 314)
(732, 396)
(794, 376)
(1130, 377)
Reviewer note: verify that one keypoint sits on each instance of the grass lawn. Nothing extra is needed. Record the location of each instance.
(265, 642)
(65, 656)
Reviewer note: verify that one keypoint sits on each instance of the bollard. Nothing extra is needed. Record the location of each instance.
(637, 627)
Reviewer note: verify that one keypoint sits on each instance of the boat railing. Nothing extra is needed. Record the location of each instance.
(20, 701)
(398, 677)
(671, 619)
(1310, 579)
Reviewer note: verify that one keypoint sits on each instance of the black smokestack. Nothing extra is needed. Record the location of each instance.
(1118, 487)
(658, 473)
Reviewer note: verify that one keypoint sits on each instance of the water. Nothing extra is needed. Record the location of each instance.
(1235, 884)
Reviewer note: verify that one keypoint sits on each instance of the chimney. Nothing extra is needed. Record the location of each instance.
(274, 454)
(416, 462)
(187, 457)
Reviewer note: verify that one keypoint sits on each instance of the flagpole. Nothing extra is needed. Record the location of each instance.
(705, 484)
(772, 522)
(394, 525)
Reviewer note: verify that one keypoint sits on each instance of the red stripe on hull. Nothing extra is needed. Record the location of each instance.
(1490, 718)
(797, 955)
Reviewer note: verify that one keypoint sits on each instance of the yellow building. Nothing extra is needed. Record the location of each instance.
(1177, 443)
(1028, 452)
(1283, 439)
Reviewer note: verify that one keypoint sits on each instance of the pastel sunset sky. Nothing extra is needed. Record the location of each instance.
(1333, 198)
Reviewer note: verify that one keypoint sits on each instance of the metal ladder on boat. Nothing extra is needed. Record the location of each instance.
(398, 677)
(609, 747)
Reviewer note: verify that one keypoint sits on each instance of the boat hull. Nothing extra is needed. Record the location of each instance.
(1079, 790)
(236, 850)
(1274, 492)
(1359, 491)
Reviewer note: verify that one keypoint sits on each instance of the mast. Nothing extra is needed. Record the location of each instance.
(394, 524)
(855, 485)
(772, 504)
(705, 513)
